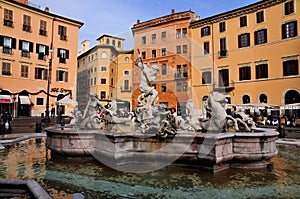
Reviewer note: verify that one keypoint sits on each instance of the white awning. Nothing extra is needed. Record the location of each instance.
(24, 100)
(5, 99)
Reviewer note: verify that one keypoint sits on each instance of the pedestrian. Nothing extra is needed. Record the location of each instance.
(52, 112)
(7, 118)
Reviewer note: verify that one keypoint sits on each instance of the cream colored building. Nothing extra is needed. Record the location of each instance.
(106, 70)
(255, 49)
(35, 46)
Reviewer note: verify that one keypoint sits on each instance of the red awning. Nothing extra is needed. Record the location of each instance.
(5, 99)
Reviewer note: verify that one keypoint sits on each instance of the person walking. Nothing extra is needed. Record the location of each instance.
(7, 118)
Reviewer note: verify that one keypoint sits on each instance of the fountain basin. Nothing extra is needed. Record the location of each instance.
(214, 152)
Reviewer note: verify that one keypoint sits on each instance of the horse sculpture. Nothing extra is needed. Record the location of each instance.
(218, 117)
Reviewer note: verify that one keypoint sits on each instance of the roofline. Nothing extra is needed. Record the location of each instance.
(44, 12)
(104, 35)
(148, 22)
(95, 48)
(234, 13)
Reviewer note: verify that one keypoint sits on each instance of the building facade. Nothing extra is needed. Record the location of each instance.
(106, 70)
(255, 49)
(166, 42)
(36, 47)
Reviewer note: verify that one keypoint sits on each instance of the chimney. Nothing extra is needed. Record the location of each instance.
(23, 1)
(173, 11)
(85, 45)
(138, 21)
(47, 9)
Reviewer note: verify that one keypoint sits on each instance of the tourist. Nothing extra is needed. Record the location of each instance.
(7, 118)
(52, 111)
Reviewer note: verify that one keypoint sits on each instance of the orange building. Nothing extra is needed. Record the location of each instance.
(36, 46)
(165, 41)
(253, 48)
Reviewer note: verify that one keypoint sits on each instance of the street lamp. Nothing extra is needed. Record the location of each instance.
(47, 116)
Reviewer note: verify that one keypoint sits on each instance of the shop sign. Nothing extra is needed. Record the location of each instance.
(60, 90)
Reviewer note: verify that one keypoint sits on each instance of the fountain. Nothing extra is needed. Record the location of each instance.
(158, 138)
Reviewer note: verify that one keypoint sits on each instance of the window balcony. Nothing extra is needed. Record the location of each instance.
(26, 28)
(7, 50)
(63, 37)
(42, 56)
(25, 54)
(223, 54)
(126, 89)
(180, 76)
(8, 23)
(43, 32)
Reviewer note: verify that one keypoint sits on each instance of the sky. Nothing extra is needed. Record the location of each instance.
(116, 17)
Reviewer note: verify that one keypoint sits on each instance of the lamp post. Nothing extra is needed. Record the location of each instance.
(47, 116)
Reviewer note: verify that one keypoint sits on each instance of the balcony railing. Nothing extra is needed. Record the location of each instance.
(181, 76)
(43, 32)
(25, 54)
(8, 23)
(7, 50)
(223, 54)
(126, 89)
(63, 37)
(26, 28)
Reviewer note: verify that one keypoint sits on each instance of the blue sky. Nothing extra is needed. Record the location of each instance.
(116, 17)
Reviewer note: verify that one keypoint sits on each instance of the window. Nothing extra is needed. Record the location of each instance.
(144, 55)
(126, 59)
(113, 42)
(103, 81)
(126, 84)
(178, 49)
(185, 71)
(260, 36)
(153, 53)
(42, 51)
(223, 77)
(289, 8)
(43, 28)
(246, 99)
(184, 49)
(223, 48)
(41, 73)
(153, 38)
(163, 88)
(119, 44)
(205, 31)
(8, 44)
(178, 71)
(263, 98)
(290, 67)
(243, 21)
(39, 101)
(104, 55)
(261, 71)
(163, 52)
(126, 72)
(62, 31)
(184, 32)
(164, 36)
(178, 33)
(184, 86)
(95, 80)
(6, 68)
(112, 81)
(143, 39)
(103, 68)
(178, 86)
(26, 23)
(260, 17)
(24, 71)
(222, 26)
(107, 41)
(102, 94)
(8, 18)
(26, 47)
(244, 40)
(163, 69)
(206, 48)
(206, 77)
(245, 73)
(61, 76)
(289, 30)
(62, 54)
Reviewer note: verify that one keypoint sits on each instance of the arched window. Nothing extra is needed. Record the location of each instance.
(291, 97)
(246, 99)
(263, 98)
(126, 59)
(104, 55)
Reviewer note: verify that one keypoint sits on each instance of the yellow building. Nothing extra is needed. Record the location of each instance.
(106, 70)
(254, 48)
(35, 46)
